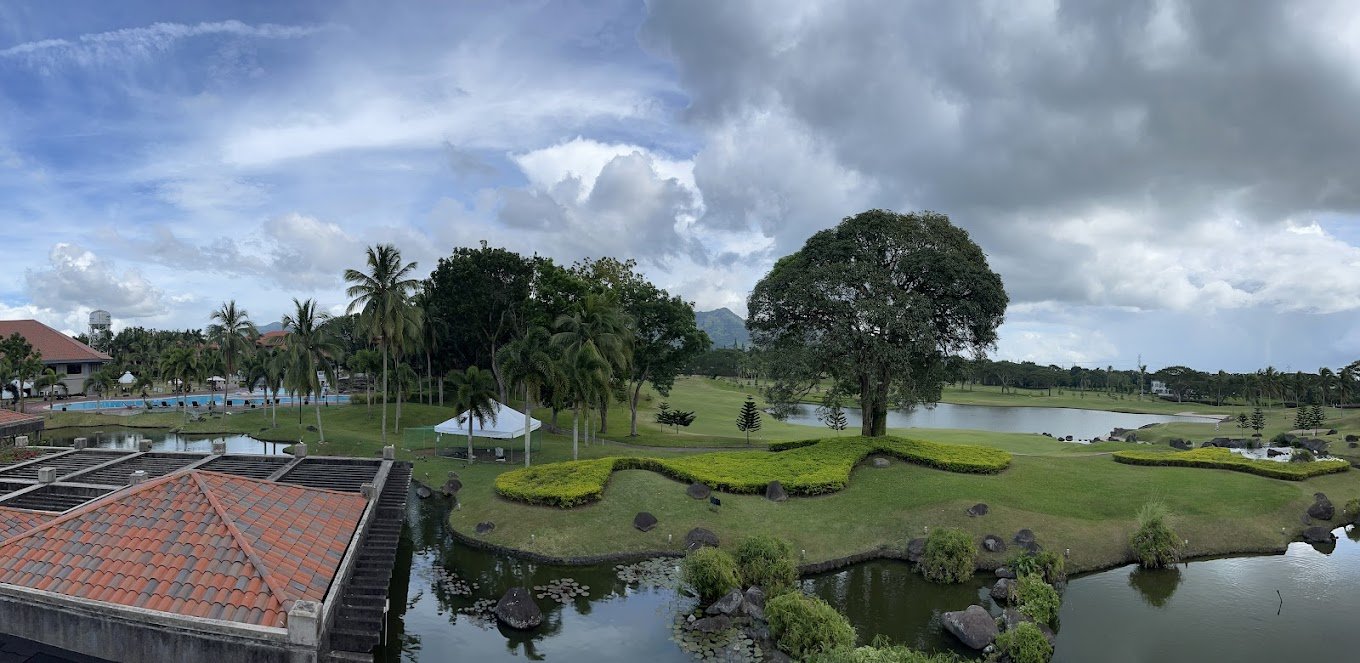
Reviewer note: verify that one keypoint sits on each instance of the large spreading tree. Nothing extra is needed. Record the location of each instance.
(876, 304)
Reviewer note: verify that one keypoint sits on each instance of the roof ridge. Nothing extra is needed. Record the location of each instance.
(249, 550)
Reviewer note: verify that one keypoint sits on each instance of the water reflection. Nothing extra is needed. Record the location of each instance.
(161, 440)
(1058, 421)
(1155, 585)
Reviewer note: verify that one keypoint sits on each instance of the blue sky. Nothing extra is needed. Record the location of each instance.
(1133, 170)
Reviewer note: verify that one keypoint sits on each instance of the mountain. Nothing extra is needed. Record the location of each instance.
(273, 326)
(724, 327)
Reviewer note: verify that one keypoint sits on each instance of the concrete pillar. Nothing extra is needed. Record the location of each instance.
(299, 450)
(389, 452)
(366, 489)
(304, 624)
(21, 441)
(47, 474)
(82, 443)
(219, 448)
(137, 477)
(144, 445)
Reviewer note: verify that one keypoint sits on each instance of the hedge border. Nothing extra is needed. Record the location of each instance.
(1223, 459)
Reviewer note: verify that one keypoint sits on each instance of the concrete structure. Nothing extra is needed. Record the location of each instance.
(101, 321)
(17, 424)
(218, 558)
(71, 359)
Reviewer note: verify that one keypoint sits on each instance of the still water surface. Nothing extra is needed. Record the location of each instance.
(1057, 421)
(112, 437)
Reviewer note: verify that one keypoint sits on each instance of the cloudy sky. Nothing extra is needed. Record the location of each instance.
(1172, 179)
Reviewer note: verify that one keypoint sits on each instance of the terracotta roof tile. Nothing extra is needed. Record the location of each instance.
(225, 547)
(54, 345)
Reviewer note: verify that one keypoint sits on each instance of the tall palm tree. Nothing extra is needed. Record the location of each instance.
(312, 354)
(181, 363)
(274, 368)
(528, 362)
(475, 393)
(366, 362)
(235, 335)
(1344, 379)
(595, 337)
(381, 296)
(585, 375)
(1326, 381)
(101, 382)
(403, 378)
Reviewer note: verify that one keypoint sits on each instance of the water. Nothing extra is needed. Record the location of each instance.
(165, 402)
(1220, 609)
(112, 437)
(1057, 421)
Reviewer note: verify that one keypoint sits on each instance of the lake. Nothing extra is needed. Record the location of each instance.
(1217, 609)
(115, 437)
(1057, 421)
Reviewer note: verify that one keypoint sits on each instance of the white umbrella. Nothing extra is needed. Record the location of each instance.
(127, 378)
(217, 378)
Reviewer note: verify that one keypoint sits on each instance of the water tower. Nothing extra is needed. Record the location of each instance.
(100, 322)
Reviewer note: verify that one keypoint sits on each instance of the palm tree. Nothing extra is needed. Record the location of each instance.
(1326, 380)
(1344, 379)
(585, 376)
(403, 377)
(101, 382)
(181, 363)
(594, 337)
(475, 392)
(366, 362)
(235, 335)
(528, 362)
(311, 352)
(274, 366)
(381, 295)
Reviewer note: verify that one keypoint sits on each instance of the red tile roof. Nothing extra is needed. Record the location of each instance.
(54, 345)
(14, 522)
(276, 338)
(9, 417)
(193, 543)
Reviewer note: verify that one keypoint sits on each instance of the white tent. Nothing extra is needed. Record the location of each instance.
(508, 423)
(127, 379)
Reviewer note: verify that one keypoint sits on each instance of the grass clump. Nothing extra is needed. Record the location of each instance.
(1351, 512)
(1036, 598)
(711, 573)
(1047, 565)
(806, 626)
(819, 467)
(1154, 545)
(882, 651)
(1024, 643)
(950, 556)
(1223, 459)
(766, 562)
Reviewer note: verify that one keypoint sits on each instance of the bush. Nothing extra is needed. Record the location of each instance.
(1351, 437)
(804, 626)
(882, 651)
(1036, 598)
(1047, 565)
(1154, 545)
(766, 562)
(1223, 459)
(950, 556)
(1352, 510)
(810, 469)
(711, 573)
(1281, 440)
(1024, 643)
(1302, 456)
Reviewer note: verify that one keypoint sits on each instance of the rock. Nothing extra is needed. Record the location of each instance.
(1119, 433)
(517, 610)
(451, 487)
(424, 492)
(485, 527)
(644, 521)
(1005, 572)
(698, 491)
(880, 461)
(1312, 444)
(1182, 444)
(978, 509)
(755, 596)
(993, 543)
(714, 624)
(755, 612)
(915, 549)
(1023, 537)
(1272, 453)
(973, 627)
(1322, 508)
(1304, 519)
(700, 537)
(1330, 431)
(1001, 591)
(1068, 438)
(774, 492)
(1352, 437)
(1318, 535)
(728, 604)
(1353, 444)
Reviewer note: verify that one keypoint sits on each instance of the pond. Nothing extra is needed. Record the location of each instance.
(1057, 421)
(1218, 609)
(116, 437)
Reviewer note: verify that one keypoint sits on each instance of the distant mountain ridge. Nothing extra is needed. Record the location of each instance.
(727, 329)
(273, 326)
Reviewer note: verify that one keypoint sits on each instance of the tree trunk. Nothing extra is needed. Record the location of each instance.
(396, 426)
(496, 372)
(469, 458)
(575, 452)
(528, 407)
(384, 395)
(320, 430)
(633, 408)
(429, 380)
(274, 409)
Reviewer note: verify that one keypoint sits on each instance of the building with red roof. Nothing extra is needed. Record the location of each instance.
(71, 359)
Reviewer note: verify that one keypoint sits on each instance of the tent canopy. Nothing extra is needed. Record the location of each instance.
(508, 423)
(127, 378)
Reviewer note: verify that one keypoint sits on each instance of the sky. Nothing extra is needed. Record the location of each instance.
(1168, 180)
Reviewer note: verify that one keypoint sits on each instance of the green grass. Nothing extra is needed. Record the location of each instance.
(1224, 459)
(818, 467)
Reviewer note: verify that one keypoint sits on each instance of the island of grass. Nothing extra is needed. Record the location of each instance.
(1224, 459)
(809, 467)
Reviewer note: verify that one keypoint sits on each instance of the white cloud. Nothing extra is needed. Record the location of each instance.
(76, 278)
(138, 43)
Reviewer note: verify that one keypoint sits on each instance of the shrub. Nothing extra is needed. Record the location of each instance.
(766, 562)
(1047, 565)
(1351, 437)
(1301, 456)
(950, 556)
(710, 572)
(804, 626)
(1281, 440)
(1352, 510)
(1223, 459)
(1154, 544)
(1024, 643)
(1036, 598)
(882, 651)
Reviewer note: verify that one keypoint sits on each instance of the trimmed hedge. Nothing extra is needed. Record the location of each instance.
(1223, 459)
(822, 466)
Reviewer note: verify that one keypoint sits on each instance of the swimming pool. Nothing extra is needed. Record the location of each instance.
(199, 401)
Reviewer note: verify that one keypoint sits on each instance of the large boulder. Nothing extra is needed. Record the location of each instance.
(698, 491)
(1005, 572)
(754, 604)
(993, 543)
(978, 509)
(699, 537)
(485, 527)
(1001, 591)
(452, 485)
(774, 492)
(728, 604)
(1023, 537)
(644, 521)
(1181, 443)
(915, 549)
(517, 609)
(423, 491)
(1322, 508)
(1317, 534)
(714, 624)
(880, 461)
(973, 627)
(1312, 444)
